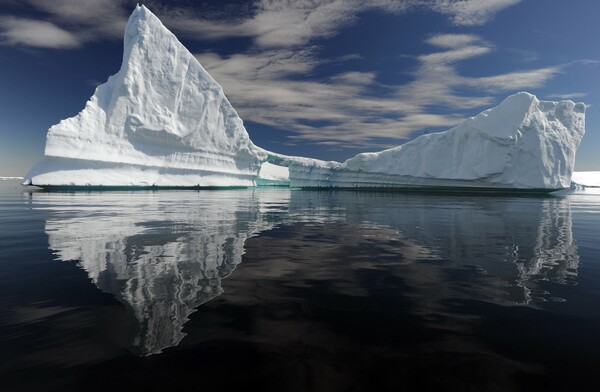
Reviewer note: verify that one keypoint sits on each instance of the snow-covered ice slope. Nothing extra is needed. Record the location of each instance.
(523, 143)
(161, 120)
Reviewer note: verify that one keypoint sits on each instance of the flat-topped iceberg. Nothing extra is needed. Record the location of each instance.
(160, 121)
(523, 143)
(163, 121)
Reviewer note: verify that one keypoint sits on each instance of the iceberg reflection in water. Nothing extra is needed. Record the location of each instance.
(163, 254)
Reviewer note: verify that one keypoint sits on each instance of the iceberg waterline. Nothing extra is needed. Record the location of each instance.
(163, 121)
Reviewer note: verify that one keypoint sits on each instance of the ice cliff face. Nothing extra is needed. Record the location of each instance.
(161, 120)
(523, 143)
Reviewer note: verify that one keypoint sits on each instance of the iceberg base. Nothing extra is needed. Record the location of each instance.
(63, 173)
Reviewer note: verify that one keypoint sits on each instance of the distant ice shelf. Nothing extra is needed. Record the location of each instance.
(163, 121)
(587, 178)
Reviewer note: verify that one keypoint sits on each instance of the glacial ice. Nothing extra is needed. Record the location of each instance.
(160, 121)
(523, 143)
(163, 121)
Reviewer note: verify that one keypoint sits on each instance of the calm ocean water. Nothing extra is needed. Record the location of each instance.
(289, 290)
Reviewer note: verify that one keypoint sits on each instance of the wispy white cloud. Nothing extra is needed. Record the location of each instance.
(68, 23)
(264, 91)
(342, 109)
(454, 55)
(586, 62)
(277, 23)
(355, 78)
(269, 23)
(570, 96)
(453, 40)
(472, 12)
(516, 80)
(90, 19)
(273, 81)
(285, 23)
(35, 33)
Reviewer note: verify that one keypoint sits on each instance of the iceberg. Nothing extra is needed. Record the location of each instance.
(163, 121)
(522, 144)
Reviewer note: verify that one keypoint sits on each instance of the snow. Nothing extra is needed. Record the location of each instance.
(523, 143)
(10, 178)
(587, 178)
(161, 120)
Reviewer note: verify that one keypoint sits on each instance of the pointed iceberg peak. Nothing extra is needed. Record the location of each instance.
(162, 120)
(140, 16)
(140, 11)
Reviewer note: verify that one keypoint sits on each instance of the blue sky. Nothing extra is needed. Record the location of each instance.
(324, 79)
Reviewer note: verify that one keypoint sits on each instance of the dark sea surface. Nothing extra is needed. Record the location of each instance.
(273, 289)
